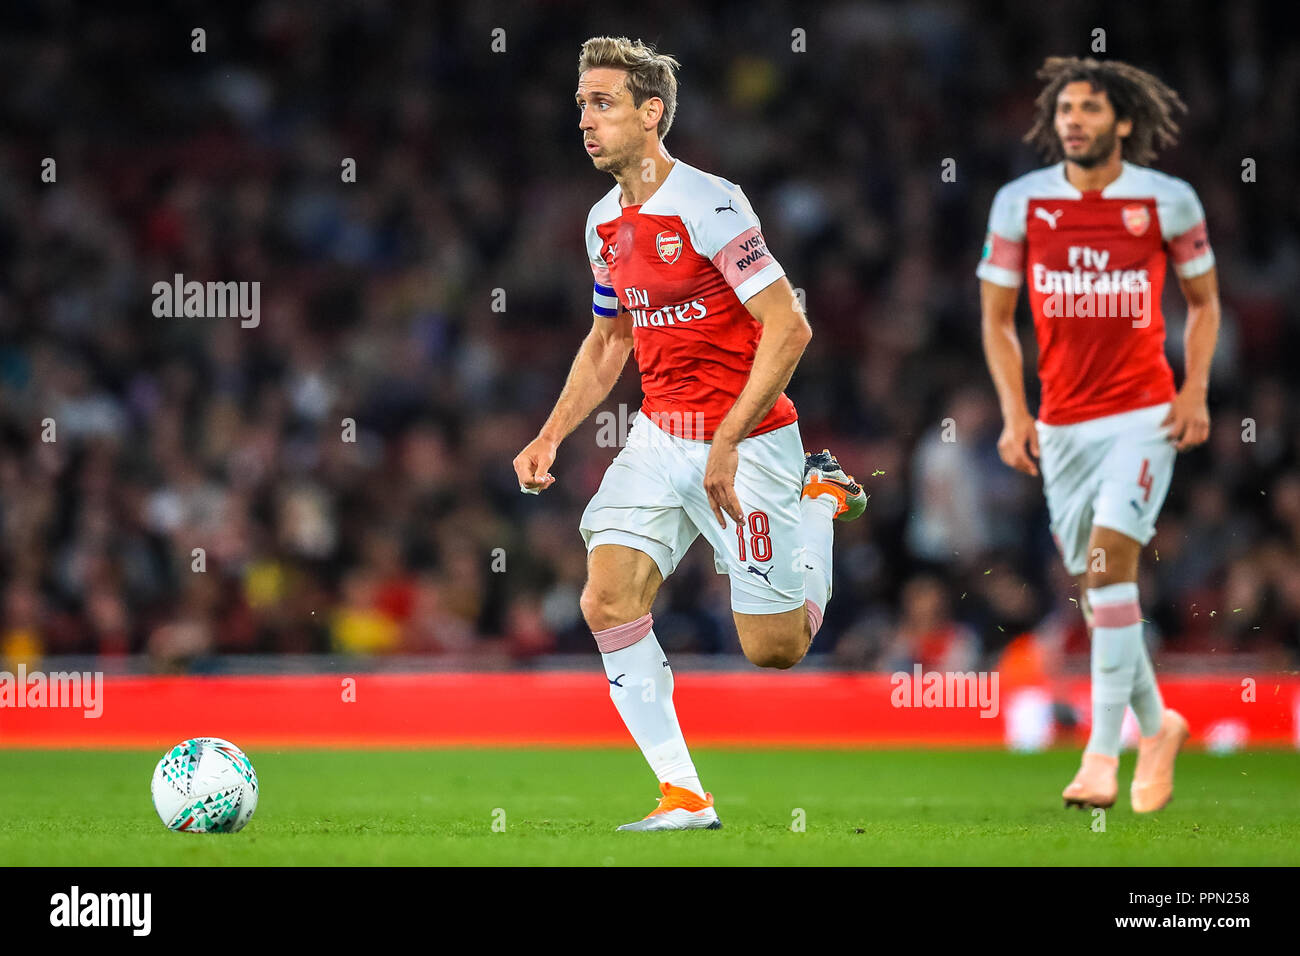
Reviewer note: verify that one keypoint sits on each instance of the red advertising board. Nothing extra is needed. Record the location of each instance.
(574, 709)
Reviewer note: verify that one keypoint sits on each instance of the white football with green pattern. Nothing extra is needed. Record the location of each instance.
(205, 785)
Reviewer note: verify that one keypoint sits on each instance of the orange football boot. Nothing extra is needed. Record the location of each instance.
(1094, 785)
(1153, 780)
(822, 475)
(679, 809)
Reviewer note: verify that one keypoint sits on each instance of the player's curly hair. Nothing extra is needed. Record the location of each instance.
(648, 73)
(1135, 94)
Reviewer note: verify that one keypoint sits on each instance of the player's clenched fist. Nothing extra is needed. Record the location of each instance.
(1017, 433)
(532, 466)
(1188, 420)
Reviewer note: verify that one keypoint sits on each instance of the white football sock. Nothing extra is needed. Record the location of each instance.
(817, 534)
(1148, 705)
(1116, 643)
(641, 686)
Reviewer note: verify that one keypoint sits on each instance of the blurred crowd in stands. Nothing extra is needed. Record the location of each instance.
(339, 476)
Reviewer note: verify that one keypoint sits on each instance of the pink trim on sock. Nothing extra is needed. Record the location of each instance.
(814, 617)
(623, 635)
(1116, 615)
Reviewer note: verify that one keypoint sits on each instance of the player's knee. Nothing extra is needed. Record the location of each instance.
(780, 657)
(604, 607)
(780, 652)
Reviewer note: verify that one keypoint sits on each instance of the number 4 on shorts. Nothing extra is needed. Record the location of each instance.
(1145, 479)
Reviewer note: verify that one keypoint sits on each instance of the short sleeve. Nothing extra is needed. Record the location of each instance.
(1182, 224)
(726, 231)
(1002, 261)
(604, 302)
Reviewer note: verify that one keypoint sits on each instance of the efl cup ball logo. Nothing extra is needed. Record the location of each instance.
(1136, 219)
(669, 245)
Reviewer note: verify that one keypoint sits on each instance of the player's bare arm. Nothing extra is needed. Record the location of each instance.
(1189, 414)
(786, 334)
(1006, 365)
(595, 369)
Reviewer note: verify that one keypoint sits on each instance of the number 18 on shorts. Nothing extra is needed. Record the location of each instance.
(652, 498)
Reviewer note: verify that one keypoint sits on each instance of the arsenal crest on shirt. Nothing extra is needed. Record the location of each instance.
(669, 245)
(1136, 218)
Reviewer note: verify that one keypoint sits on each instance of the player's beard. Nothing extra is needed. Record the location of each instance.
(614, 164)
(1102, 147)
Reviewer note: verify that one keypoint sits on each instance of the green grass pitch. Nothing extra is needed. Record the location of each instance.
(928, 808)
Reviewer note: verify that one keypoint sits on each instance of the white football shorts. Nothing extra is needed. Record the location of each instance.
(652, 499)
(1112, 471)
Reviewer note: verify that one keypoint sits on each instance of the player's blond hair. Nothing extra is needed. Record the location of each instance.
(648, 73)
(1135, 94)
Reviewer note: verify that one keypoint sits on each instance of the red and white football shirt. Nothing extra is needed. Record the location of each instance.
(1090, 257)
(683, 263)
